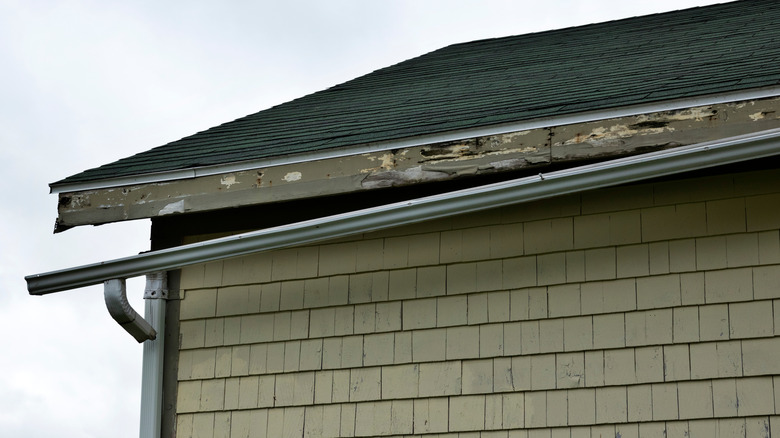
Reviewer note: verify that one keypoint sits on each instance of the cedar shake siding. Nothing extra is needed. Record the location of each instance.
(630, 311)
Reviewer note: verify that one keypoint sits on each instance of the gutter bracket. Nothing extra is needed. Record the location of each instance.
(115, 292)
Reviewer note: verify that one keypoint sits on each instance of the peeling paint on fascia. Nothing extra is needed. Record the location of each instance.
(697, 113)
(512, 135)
(388, 161)
(174, 207)
(463, 169)
(292, 176)
(513, 163)
(76, 202)
(614, 131)
(142, 199)
(760, 115)
(527, 150)
(450, 158)
(228, 180)
(393, 177)
(107, 206)
(453, 151)
(523, 150)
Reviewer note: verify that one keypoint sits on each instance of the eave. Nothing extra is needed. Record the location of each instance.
(610, 173)
(529, 145)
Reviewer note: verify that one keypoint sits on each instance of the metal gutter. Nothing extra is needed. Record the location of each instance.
(609, 173)
(545, 122)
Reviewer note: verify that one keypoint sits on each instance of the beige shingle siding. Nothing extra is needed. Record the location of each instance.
(637, 311)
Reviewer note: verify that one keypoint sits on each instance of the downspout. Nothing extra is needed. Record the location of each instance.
(144, 329)
(115, 293)
(155, 295)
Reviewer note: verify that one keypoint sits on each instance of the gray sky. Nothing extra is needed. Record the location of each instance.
(83, 83)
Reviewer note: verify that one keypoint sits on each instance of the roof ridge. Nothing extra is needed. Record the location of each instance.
(607, 22)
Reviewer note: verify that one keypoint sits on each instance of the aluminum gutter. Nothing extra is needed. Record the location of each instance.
(609, 173)
(173, 175)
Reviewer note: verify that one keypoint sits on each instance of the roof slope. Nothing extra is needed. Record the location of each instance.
(699, 51)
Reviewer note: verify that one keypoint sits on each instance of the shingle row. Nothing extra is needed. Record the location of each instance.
(699, 51)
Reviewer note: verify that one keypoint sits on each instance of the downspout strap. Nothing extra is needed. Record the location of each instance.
(156, 286)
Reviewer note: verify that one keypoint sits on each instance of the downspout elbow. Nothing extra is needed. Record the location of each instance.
(115, 292)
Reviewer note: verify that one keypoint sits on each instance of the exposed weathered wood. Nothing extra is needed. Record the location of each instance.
(495, 154)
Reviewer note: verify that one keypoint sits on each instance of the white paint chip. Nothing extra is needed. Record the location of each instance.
(293, 176)
(228, 180)
(175, 207)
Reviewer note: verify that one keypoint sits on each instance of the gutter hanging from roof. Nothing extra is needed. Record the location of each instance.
(587, 116)
(578, 179)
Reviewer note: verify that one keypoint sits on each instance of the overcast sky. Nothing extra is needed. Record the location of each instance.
(83, 83)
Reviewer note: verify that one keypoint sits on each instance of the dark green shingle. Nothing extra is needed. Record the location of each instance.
(694, 52)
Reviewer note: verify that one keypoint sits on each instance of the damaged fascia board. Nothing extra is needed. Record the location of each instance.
(491, 153)
(589, 116)
(575, 180)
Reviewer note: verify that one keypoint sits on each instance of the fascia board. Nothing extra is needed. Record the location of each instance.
(542, 186)
(174, 175)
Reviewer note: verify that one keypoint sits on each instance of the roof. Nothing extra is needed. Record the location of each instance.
(694, 52)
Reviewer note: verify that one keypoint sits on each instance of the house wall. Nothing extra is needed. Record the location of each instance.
(646, 310)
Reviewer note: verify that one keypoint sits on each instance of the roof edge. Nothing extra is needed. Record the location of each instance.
(590, 116)
(620, 171)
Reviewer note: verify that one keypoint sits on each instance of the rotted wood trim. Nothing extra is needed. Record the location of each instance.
(559, 146)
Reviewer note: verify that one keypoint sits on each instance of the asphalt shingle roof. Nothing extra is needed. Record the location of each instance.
(699, 51)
